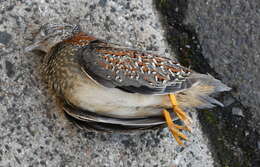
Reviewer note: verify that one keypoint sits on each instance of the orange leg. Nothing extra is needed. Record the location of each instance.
(181, 114)
(174, 128)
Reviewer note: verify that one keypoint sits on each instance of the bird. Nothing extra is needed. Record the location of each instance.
(106, 85)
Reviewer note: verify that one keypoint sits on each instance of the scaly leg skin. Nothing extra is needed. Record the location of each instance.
(174, 128)
(181, 114)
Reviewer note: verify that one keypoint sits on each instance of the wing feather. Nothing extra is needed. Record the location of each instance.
(132, 70)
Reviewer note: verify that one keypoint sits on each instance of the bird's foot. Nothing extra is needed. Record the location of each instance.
(180, 113)
(175, 128)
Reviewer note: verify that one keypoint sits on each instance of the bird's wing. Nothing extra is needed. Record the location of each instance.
(89, 118)
(132, 70)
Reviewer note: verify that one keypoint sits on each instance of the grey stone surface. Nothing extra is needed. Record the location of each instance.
(229, 34)
(230, 38)
(33, 131)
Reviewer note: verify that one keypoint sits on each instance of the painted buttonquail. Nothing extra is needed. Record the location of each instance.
(108, 86)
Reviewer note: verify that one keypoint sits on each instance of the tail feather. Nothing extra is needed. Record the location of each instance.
(198, 96)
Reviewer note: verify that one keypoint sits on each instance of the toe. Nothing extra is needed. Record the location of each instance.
(178, 135)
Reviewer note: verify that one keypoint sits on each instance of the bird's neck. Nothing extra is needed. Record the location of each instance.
(80, 39)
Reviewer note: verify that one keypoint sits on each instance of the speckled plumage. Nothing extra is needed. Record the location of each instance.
(115, 66)
(111, 84)
(132, 70)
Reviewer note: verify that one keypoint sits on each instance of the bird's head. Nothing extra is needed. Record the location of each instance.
(51, 34)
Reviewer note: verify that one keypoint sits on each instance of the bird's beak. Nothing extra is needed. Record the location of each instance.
(37, 46)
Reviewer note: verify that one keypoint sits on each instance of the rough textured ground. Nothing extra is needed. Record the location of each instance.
(222, 38)
(230, 38)
(33, 131)
(230, 30)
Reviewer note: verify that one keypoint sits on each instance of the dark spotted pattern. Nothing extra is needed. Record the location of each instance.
(114, 66)
(133, 70)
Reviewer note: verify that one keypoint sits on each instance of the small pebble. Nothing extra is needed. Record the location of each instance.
(237, 111)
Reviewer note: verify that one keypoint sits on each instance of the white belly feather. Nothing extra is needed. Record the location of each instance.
(114, 102)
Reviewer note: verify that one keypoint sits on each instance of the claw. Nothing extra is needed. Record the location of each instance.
(174, 128)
